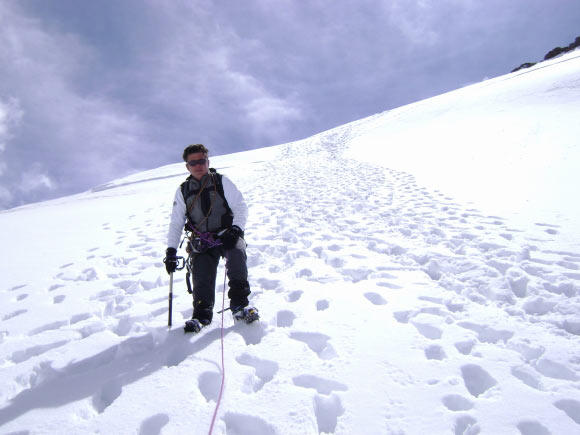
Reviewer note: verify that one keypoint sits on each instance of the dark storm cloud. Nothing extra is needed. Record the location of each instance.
(91, 91)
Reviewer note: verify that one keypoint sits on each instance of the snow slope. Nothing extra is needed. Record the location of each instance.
(407, 283)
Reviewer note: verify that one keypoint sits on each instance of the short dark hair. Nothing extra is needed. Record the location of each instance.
(193, 149)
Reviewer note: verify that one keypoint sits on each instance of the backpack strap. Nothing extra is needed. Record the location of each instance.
(217, 180)
(220, 188)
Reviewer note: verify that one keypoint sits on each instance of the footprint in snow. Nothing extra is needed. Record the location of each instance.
(455, 402)
(466, 425)
(54, 287)
(107, 395)
(247, 424)
(317, 342)
(435, 352)
(375, 298)
(389, 285)
(403, 316)
(285, 319)
(304, 273)
(321, 385)
(528, 376)
(465, 347)
(265, 370)
(327, 410)
(25, 354)
(294, 296)
(570, 407)
(477, 380)
(322, 305)
(252, 334)
(532, 427)
(80, 317)
(555, 370)
(209, 385)
(106, 295)
(487, 334)
(58, 299)
(153, 424)
(13, 314)
(427, 330)
(268, 284)
(436, 311)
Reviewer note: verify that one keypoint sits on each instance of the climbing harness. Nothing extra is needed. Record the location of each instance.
(199, 242)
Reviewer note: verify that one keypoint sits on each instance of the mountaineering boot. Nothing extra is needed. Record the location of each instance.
(195, 325)
(247, 314)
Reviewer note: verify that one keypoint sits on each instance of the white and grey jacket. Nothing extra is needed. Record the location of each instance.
(233, 196)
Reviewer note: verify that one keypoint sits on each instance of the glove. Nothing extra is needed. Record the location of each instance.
(170, 260)
(230, 237)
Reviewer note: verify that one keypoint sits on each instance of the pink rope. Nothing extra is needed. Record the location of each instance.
(217, 405)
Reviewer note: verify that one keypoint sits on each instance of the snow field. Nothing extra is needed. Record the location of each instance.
(387, 306)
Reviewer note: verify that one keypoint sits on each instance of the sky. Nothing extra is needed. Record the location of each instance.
(92, 91)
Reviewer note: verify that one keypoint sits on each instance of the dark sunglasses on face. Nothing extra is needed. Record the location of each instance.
(192, 163)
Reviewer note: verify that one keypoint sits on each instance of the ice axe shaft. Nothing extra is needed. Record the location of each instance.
(170, 299)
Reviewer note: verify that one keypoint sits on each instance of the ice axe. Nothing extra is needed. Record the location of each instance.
(169, 321)
(170, 299)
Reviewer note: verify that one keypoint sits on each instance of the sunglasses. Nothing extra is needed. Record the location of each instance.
(192, 163)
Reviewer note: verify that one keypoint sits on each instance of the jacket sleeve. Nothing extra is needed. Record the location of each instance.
(236, 202)
(177, 220)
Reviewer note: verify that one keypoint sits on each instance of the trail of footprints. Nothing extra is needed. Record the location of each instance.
(106, 310)
(307, 224)
(294, 224)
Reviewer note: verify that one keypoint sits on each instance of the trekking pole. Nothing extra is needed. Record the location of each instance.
(170, 299)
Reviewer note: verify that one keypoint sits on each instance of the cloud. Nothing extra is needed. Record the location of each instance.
(93, 92)
(205, 74)
(35, 179)
(72, 135)
(10, 116)
(417, 21)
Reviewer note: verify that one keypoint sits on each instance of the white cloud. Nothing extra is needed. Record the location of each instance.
(33, 181)
(265, 110)
(79, 136)
(206, 67)
(414, 20)
(6, 197)
(10, 116)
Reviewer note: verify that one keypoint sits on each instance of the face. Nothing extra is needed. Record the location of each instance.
(198, 170)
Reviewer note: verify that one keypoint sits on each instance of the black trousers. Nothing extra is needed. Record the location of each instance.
(205, 267)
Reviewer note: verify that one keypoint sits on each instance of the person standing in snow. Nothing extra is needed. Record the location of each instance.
(212, 208)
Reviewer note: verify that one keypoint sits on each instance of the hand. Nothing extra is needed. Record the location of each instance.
(230, 237)
(170, 260)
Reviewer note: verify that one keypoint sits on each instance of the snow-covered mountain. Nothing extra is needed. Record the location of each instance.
(417, 272)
